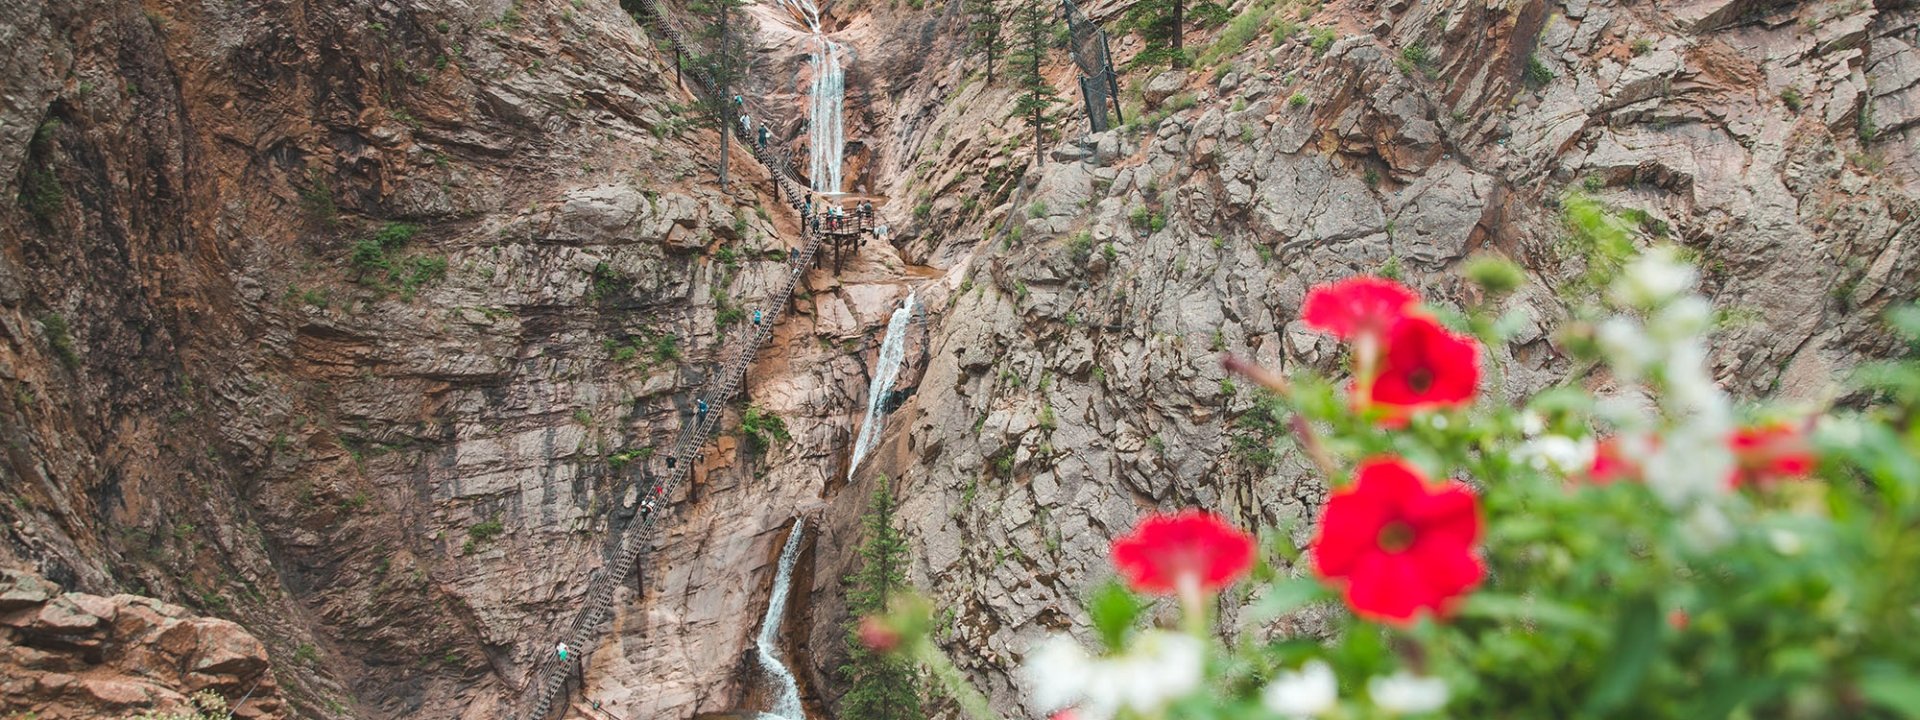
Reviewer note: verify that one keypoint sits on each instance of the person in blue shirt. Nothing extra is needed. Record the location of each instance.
(756, 317)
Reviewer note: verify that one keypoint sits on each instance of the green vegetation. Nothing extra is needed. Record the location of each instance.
(1320, 39)
(606, 282)
(762, 428)
(60, 339)
(1033, 28)
(1790, 96)
(1867, 130)
(1537, 74)
(619, 460)
(1080, 248)
(880, 686)
(1161, 26)
(1240, 32)
(1641, 46)
(985, 34)
(1600, 237)
(481, 533)
(40, 191)
(374, 265)
(203, 705)
(1415, 58)
(1299, 99)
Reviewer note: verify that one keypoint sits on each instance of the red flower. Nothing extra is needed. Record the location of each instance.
(878, 635)
(1396, 545)
(1610, 465)
(1189, 551)
(1426, 367)
(1769, 453)
(1356, 306)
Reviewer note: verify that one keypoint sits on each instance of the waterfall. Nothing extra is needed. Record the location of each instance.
(826, 99)
(786, 700)
(893, 351)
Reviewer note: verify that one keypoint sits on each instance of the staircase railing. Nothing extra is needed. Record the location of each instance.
(580, 634)
(552, 672)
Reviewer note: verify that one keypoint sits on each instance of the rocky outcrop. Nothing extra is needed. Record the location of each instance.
(74, 655)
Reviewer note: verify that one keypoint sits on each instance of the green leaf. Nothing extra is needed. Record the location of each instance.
(1114, 611)
(1636, 644)
(1509, 608)
(1284, 597)
(1894, 690)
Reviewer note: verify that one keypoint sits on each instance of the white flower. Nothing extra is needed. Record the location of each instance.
(1683, 319)
(1786, 542)
(1058, 672)
(1156, 668)
(1557, 452)
(1706, 528)
(1532, 423)
(1404, 693)
(1306, 693)
(1166, 666)
(1627, 349)
(1652, 279)
(1439, 422)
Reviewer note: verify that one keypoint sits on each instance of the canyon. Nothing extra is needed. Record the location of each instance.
(340, 343)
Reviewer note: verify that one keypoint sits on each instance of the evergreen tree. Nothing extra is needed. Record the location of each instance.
(723, 60)
(1162, 25)
(984, 31)
(1032, 34)
(879, 687)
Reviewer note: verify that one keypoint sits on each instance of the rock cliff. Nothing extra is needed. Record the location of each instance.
(365, 325)
(74, 655)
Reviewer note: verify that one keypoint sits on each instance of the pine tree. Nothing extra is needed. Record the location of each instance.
(1162, 25)
(879, 687)
(1032, 34)
(984, 31)
(723, 60)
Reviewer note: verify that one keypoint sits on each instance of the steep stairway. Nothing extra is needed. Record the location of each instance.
(552, 674)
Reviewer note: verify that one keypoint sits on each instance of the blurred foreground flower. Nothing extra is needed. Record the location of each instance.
(1190, 554)
(1769, 453)
(1404, 693)
(1308, 692)
(1154, 670)
(1396, 545)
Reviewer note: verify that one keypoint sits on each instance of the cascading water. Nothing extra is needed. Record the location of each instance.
(826, 99)
(786, 698)
(893, 351)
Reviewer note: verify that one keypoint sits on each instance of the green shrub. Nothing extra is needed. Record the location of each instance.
(1537, 74)
(1322, 38)
(60, 339)
(1790, 96)
(486, 531)
(762, 428)
(1299, 99)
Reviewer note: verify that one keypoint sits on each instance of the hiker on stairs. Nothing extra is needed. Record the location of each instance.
(561, 651)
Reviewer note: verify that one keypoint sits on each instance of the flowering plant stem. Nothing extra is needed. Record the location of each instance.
(953, 681)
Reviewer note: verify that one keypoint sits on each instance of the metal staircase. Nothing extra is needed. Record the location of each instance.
(551, 674)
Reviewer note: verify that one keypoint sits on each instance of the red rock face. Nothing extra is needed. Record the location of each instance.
(73, 655)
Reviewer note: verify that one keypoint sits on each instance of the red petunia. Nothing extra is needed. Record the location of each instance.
(1396, 545)
(1610, 464)
(1357, 306)
(1769, 453)
(1426, 366)
(1185, 552)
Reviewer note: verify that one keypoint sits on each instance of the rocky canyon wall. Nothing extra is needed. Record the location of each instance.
(364, 325)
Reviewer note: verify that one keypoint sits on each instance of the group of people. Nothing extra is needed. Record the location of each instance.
(836, 218)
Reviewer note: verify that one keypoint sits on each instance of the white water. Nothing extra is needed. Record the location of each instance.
(825, 101)
(893, 350)
(786, 699)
